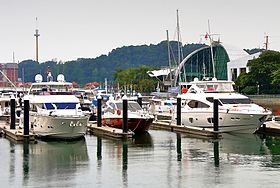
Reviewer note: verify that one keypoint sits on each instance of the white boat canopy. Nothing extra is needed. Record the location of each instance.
(162, 72)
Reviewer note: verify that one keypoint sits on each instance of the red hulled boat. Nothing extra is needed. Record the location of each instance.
(139, 121)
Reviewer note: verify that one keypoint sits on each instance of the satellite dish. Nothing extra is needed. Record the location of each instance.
(60, 78)
(38, 78)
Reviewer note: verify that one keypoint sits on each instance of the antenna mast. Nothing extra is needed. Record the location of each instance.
(178, 34)
(169, 59)
(211, 49)
(37, 40)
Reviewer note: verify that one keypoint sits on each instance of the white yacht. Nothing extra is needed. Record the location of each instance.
(236, 112)
(55, 112)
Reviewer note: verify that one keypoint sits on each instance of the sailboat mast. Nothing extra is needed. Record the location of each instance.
(211, 49)
(169, 59)
(178, 35)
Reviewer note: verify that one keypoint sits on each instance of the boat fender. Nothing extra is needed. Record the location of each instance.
(118, 111)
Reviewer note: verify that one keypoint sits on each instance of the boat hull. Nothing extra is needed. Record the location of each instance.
(228, 122)
(58, 127)
(136, 125)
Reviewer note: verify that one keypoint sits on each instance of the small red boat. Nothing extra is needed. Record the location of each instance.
(139, 121)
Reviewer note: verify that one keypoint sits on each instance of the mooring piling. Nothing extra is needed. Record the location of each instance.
(216, 115)
(13, 112)
(99, 112)
(26, 118)
(179, 111)
(125, 115)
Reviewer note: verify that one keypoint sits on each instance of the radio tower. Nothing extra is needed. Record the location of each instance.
(37, 39)
(266, 42)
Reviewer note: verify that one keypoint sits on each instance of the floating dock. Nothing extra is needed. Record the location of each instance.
(269, 127)
(199, 132)
(108, 131)
(15, 134)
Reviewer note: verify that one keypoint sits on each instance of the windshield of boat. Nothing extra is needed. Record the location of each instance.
(60, 106)
(132, 106)
(236, 101)
(51, 88)
(215, 86)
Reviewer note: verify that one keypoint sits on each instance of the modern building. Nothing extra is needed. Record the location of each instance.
(11, 71)
(229, 63)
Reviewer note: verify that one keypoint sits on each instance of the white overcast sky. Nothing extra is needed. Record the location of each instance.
(72, 29)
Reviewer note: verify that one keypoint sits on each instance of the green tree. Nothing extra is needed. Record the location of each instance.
(264, 72)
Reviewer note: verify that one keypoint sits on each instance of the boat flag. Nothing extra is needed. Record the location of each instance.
(206, 36)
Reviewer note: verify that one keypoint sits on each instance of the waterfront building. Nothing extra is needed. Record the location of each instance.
(11, 71)
(229, 63)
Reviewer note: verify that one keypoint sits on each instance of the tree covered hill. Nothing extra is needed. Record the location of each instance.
(85, 70)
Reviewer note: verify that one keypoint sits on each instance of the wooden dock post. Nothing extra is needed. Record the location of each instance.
(26, 118)
(179, 111)
(125, 118)
(13, 113)
(99, 112)
(216, 115)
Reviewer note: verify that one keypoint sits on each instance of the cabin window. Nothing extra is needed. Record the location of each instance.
(48, 106)
(133, 106)
(197, 104)
(236, 101)
(60, 106)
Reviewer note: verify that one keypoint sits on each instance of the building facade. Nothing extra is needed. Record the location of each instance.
(229, 63)
(11, 71)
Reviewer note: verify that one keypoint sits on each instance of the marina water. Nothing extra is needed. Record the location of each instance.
(156, 159)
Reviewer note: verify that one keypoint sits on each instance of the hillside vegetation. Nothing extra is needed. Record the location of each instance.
(85, 70)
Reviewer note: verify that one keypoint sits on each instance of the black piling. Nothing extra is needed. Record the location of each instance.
(179, 147)
(99, 112)
(99, 148)
(26, 118)
(179, 111)
(216, 115)
(139, 100)
(216, 153)
(125, 118)
(13, 113)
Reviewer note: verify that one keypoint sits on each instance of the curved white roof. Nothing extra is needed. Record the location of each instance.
(234, 52)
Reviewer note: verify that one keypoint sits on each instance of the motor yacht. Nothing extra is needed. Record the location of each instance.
(55, 112)
(237, 113)
(139, 121)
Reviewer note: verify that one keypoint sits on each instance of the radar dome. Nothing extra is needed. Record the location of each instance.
(60, 78)
(38, 78)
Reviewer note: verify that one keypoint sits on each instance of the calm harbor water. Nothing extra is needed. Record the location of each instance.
(158, 159)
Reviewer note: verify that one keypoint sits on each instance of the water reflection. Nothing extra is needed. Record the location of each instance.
(99, 148)
(54, 161)
(12, 161)
(143, 140)
(124, 164)
(245, 144)
(273, 144)
(216, 153)
(179, 150)
(25, 162)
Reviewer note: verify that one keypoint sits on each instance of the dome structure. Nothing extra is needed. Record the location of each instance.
(198, 64)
